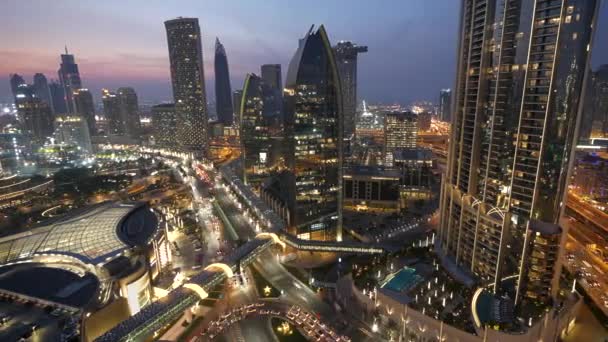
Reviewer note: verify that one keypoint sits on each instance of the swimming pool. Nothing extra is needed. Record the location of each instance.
(403, 280)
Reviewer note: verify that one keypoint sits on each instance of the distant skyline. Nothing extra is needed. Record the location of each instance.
(412, 44)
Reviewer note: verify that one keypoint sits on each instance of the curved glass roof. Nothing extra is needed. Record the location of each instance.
(92, 235)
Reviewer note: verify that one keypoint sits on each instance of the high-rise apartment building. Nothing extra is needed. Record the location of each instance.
(314, 139)
(129, 111)
(188, 81)
(164, 126)
(445, 105)
(69, 76)
(85, 107)
(346, 58)
(400, 131)
(520, 76)
(254, 131)
(596, 110)
(223, 93)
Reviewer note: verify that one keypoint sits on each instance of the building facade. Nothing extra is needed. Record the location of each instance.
(57, 97)
(273, 80)
(41, 89)
(188, 82)
(400, 131)
(223, 93)
(34, 114)
(111, 110)
(313, 124)
(520, 76)
(73, 130)
(346, 59)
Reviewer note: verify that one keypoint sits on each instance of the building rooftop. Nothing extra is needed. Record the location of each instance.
(412, 154)
(93, 235)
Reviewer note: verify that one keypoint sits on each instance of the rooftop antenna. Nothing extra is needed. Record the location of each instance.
(66, 49)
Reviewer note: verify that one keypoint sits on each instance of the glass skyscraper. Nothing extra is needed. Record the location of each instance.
(520, 79)
(188, 81)
(314, 138)
(223, 93)
(254, 131)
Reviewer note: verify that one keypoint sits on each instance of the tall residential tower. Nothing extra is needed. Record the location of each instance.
(69, 76)
(520, 77)
(188, 81)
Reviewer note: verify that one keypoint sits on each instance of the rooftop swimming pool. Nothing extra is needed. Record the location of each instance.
(402, 281)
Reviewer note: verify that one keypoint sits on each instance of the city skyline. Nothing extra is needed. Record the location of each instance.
(124, 53)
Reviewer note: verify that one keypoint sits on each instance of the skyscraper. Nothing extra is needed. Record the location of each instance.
(16, 80)
(597, 108)
(129, 111)
(164, 126)
(57, 98)
(400, 131)
(69, 77)
(188, 81)
(41, 89)
(346, 58)
(34, 114)
(445, 109)
(519, 81)
(236, 102)
(314, 139)
(85, 107)
(273, 81)
(223, 93)
(254, 133)
(112, 112)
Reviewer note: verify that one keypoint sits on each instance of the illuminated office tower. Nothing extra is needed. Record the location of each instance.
(69, 76)
(520, 76)
(314, 139)
(346, 58)
(129, 111)
(445, 100)
(236, 102)
(86, 108)
(400, 131)
(223, 93)
(164, 126)
(254, 132)
(188, 81)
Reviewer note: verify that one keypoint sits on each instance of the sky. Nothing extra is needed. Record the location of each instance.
(412, 43)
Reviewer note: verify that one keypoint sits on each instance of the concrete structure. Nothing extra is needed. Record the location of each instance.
(188, 81)
(400, 131)
(445, 105)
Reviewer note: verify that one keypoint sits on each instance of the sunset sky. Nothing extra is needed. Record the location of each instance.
(412, 43)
